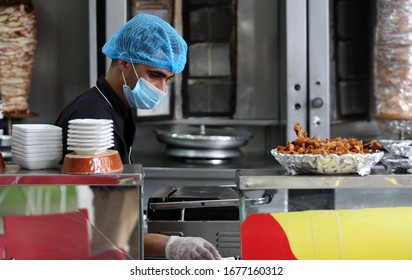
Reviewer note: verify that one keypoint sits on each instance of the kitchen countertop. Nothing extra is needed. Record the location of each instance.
(379, 178)
(247, 161)
(179, 168)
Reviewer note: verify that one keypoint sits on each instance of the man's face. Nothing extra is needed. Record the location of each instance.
(156, 76)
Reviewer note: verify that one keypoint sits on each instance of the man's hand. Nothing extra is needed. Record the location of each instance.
(190, 248)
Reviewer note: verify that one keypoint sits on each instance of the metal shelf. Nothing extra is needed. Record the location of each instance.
(266, 179)
(216, 122)
(14, 175)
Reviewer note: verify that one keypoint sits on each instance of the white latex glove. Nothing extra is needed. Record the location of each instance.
(190, 248)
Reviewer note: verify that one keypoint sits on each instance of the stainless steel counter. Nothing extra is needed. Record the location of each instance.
(14, 175)
(276, 179)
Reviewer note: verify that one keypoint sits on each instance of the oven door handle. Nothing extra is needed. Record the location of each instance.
(206, 203)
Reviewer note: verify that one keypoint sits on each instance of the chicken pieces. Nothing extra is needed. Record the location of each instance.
(316, 145)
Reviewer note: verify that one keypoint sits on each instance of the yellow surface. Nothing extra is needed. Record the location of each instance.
(375, 233)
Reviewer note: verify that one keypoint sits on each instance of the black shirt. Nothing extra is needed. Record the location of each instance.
(92, 105)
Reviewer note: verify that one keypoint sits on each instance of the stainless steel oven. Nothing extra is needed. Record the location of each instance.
(211, 212)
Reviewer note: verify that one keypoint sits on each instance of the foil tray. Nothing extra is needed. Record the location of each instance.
(401, 148)
(328, 164)
(397, 164)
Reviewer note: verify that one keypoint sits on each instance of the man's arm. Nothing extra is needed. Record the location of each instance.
(155, 244)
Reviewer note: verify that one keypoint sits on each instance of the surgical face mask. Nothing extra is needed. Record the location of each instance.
(144, 95)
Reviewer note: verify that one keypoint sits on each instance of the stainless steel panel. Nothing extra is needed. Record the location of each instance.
(92, 43)
(257, 92)
(318, 60)
(116, 16)
(371, 198)
(296, 65)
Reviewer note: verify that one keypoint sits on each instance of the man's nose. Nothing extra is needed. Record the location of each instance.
(162, 85)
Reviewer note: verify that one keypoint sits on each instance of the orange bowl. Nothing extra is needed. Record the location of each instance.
(107, 162)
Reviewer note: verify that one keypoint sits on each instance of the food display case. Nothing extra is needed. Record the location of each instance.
(379, 181)
(378, 208)
(13, 176)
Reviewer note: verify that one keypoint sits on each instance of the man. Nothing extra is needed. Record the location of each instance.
(146, 52)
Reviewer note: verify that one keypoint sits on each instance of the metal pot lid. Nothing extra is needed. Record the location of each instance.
(201, 137)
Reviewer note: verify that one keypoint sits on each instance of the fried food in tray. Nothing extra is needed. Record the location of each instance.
(329, 156)
(316, 145)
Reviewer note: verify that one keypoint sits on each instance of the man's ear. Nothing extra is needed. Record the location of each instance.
(122, 65)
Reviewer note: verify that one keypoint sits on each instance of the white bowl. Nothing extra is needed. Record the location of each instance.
(34, 153)
(36, 133)
(41, 146)
(100, 132)
(36, 128)
(87, 122)
(89, 152)
(36, 157)
(91, 146)
(36, 149)
(97, 145)
(89, 137)
(90, 127)
(37, 164)
(37, 136)
(34, 142)
(75, 141)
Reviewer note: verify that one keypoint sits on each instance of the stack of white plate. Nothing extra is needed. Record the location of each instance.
(36, 146)
(90, 136)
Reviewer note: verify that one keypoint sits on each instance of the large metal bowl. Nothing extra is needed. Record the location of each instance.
(202, 137)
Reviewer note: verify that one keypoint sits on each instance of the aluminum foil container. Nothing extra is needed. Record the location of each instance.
(328, 164)
(402, 149)
(397, 164)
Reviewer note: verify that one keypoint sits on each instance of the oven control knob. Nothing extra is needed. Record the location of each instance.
(317, 102)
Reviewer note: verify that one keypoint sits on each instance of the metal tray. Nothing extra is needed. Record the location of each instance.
(202, 137)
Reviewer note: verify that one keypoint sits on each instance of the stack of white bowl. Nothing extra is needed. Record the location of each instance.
(36, 146)
(90, 136)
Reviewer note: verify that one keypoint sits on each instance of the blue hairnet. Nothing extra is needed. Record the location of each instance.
(147, 39)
